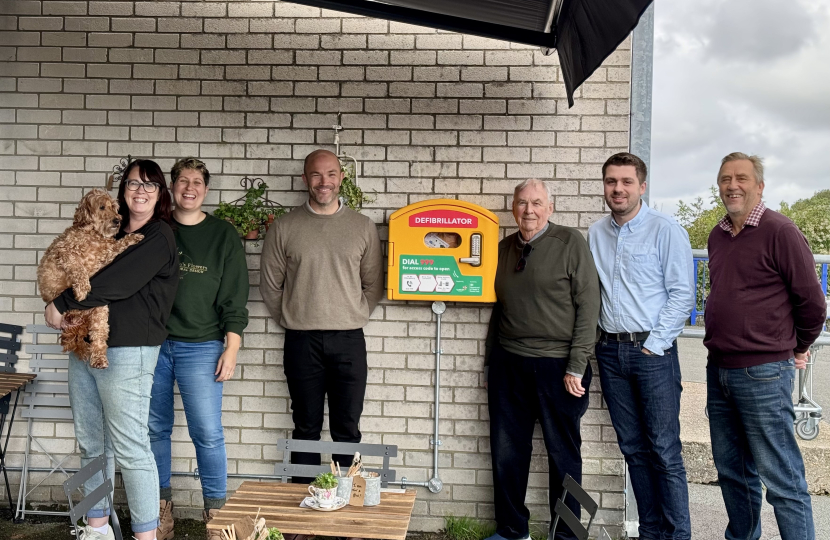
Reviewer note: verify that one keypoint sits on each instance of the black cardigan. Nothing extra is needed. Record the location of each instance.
(139, 286)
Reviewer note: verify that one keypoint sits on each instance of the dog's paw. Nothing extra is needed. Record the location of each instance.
(98, 360)
(133, 239)
(81, 290)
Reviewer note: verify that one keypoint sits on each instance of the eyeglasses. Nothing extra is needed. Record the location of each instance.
(149, 187)
(526, 251)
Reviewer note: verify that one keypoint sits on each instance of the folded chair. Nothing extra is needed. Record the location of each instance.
(564, 513)
(287, 469)
(48, 401)
(79, 510)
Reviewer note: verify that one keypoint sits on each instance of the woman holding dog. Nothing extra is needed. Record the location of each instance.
(111, 406)
(205, 332)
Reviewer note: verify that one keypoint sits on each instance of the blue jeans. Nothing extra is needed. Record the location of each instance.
(643, 397)
(751, 423)
(192, 365)
(110, 408)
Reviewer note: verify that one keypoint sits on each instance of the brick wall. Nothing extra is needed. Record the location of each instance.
(251, 87)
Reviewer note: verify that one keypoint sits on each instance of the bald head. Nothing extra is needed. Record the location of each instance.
(322, 175)
(320, 154)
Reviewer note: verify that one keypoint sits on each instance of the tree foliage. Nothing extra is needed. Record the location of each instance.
(699, 220)
(811, 215)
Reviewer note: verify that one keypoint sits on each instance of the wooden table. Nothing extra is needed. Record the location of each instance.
(279, 504)
(9, 382)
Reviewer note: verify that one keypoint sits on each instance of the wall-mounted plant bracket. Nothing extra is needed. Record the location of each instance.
(118, 171)
(253, 186)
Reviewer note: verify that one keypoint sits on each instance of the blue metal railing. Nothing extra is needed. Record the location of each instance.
(701, 258)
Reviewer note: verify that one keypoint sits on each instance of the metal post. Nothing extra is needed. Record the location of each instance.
(435, 484)
(639, 144)
(642, 62)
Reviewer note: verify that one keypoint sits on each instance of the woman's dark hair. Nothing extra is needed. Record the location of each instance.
(148, 171)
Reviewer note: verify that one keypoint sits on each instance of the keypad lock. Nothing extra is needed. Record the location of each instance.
(475, 251)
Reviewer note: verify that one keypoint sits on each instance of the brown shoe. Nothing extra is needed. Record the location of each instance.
(212, 534)
(165, 528)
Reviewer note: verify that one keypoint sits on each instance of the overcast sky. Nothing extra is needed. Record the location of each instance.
(740, 75)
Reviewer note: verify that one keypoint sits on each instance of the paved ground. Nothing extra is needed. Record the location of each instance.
(709, 516)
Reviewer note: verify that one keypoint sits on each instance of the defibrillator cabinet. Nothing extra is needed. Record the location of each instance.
(443, 249)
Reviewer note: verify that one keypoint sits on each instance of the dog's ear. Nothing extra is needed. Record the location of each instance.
(86, 210)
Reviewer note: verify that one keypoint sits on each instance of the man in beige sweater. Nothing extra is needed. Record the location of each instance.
(321, 278)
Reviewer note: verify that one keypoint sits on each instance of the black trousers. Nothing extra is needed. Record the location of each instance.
(522, 390)
(319, 363)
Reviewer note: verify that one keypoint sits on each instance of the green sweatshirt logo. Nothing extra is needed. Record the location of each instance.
(186, 266)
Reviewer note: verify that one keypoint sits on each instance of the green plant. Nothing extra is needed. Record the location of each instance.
(325, 481)
(699, 220)
(275, 534)
(539, 531)
(350, 191)
(466, 528)
(812, 216)
(251, 213)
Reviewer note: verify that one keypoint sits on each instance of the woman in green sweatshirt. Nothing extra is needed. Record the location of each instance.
(205, 332)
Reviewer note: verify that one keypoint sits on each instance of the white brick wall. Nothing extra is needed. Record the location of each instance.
(251, 87)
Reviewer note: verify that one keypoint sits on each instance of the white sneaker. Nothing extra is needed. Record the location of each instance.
(88, 533)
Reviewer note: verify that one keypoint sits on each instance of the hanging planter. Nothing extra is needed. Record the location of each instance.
(349, 190)
(253, 212)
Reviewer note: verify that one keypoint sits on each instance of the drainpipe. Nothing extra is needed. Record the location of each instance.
(642, 71)
(639, 144)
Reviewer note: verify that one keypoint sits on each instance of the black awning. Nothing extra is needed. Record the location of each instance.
(584, 32)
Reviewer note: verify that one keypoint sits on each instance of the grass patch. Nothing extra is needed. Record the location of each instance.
(539, 531)
(466, 528)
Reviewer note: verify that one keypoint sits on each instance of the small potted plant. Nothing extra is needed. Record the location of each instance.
(274, 534)
(324, 489)
(251, 214)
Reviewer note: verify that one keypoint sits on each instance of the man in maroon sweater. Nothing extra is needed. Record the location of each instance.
(764, 311)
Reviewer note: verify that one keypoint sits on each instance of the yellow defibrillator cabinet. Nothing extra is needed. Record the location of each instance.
(443, 249)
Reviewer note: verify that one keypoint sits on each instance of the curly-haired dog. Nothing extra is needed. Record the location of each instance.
(73, 257)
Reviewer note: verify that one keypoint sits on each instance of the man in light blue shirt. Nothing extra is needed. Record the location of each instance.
(644, 261)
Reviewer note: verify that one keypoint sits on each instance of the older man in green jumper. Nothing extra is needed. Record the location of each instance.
(542, 332)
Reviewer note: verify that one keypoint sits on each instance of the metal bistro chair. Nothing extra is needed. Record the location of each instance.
(561, 511)
(48, 401)
(9, 382)
(286, 469)
(77, 511)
